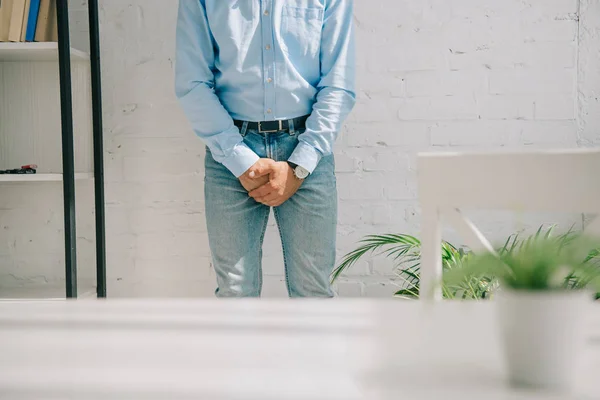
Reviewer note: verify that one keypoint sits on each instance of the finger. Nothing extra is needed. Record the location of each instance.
(260, 170)
(262, 191)
(269, 200)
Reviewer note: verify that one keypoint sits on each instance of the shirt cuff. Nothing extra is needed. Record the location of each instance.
(240, 160)
(306, 156)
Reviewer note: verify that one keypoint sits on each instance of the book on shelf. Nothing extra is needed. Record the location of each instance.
(34, 9)
(47, 27)
(5, 15)
(25, 18)
(28, 21)
(16, 20)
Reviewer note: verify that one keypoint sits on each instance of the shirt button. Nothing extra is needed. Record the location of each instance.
(266, 12)
(269, 111)
(268, 47)
(269, 80)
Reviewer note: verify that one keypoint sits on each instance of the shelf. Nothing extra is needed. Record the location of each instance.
(42, 177)
(34, 51)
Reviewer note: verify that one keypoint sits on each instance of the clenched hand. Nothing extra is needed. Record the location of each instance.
(282, 183)
(250, 183)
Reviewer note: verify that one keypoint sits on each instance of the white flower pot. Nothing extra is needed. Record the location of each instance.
(543, 336)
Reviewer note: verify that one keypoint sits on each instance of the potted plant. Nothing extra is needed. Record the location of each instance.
(405, 250)
(544, 290)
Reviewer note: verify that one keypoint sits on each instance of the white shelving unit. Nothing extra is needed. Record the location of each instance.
(30, 133)
(42, 177)
(30, 128)
(47, 51)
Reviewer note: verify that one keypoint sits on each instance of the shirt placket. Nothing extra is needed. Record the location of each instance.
(268, 58)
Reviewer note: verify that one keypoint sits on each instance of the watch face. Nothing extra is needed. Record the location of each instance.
(301, 173)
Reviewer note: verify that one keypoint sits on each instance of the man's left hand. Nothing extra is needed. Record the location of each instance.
(282, 185)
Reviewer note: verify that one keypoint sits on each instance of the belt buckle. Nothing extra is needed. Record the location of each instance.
(271, 131)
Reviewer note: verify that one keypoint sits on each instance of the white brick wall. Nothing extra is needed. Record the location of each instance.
(432, 74)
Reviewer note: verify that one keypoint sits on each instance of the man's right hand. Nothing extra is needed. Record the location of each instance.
(254, 183)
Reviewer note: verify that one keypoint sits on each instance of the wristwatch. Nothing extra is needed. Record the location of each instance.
(299, 172)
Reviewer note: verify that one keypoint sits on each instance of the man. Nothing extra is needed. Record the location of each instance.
(267, 85)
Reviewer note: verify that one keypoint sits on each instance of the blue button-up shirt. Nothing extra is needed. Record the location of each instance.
(263, 60)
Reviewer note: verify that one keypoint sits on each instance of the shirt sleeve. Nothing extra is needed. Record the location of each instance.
(336, 90)
(195, 89)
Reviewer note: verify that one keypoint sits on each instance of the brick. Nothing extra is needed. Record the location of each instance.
(154, 245)
(272, 241)
(120, 244)
(179, 189)
(506, 107)
(555, 107)
(274, 287)
(550, 31)
(469, 8)
(549, 134)
(349, 237)
(389, 160)
(474, 133)
(117, 220)
(38, 268)
(483, 58)
(191, 243)
(273, 265)
(520, 55)
(530, 81)
(411, 58)
(151, 245)
(409, 134)
(386, 84)
(480, 32)
(386, 213)
(380, 290)
(376, 15)
(349, 289)
(356, 187)
(113, 168)
(358, 269)
(180, 217)
(123, 146)
(541, 55)
(174, 268)
(350, 213)
(589, 79)
(344, 162)
(133, 117)
(400, 188)
(385, 266)
(445, 83)
(438, 108)
(160, 168)
(374, 109)
(551, 8)
(126, 263)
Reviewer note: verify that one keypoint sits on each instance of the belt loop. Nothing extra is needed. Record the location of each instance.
(291, 127)
(244, 129)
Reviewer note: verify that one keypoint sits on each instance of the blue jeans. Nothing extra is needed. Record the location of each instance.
(237, 223)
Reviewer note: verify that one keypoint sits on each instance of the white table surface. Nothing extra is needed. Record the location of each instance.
(262, 350)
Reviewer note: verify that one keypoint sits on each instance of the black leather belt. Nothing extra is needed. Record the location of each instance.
(274, 126)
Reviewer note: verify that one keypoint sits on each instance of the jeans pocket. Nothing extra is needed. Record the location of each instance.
(301, 31)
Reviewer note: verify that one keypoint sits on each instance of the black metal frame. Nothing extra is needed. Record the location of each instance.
(66, 105)
(98, 148)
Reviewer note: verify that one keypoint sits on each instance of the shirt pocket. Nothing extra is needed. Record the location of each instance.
(301, 31)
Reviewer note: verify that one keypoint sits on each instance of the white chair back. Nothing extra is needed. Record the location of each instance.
(555, 181)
